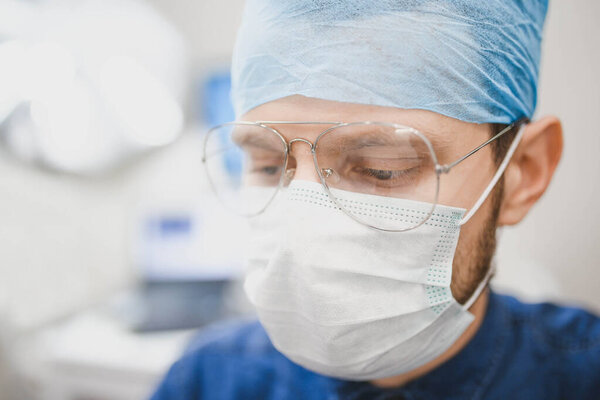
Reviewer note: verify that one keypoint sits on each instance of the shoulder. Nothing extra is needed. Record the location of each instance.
(563, 341)
(242, 337)
(227, 360)
(565, 328)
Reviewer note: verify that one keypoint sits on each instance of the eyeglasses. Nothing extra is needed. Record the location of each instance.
(247, 163)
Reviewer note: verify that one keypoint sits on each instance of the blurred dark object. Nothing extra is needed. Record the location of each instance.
(168, 305)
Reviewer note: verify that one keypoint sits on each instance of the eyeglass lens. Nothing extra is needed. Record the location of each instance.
(245, 165)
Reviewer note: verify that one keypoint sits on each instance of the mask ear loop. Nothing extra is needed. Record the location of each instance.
(482, 285)
(496, 178)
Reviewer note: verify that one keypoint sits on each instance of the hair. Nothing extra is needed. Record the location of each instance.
(500, 146)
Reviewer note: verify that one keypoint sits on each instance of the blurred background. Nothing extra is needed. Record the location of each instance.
(111, 248)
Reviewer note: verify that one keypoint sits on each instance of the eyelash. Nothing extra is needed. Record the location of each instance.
(394, 173)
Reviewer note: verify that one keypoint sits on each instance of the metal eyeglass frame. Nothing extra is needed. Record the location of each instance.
(439, 168)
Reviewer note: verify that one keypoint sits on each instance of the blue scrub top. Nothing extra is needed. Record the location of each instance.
(521, 351)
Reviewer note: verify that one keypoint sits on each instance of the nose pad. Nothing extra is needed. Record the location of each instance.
(330, 175)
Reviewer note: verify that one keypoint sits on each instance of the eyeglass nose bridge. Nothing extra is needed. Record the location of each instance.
(290, 173)
(308, 142)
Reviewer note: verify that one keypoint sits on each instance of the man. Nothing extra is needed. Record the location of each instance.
(383, 144)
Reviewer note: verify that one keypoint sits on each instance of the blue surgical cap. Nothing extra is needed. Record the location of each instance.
(474, 60)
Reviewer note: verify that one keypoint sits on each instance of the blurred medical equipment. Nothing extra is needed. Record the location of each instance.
(476, 61)
(179, 243)
(188, 262)
(87, 85)
(188, 254)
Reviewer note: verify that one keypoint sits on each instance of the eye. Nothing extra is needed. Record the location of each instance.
(380, 174)
(270, 170)
(263, 163)
(384, 174)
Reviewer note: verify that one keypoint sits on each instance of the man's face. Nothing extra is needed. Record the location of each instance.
(450, 138)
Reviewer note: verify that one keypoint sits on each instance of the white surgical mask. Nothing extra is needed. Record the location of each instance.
(348, 301)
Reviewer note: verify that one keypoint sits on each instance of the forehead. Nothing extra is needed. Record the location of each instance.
(437, 127)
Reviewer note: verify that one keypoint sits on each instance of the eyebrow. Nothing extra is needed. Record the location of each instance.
(441, 140)
(361, 140)
(249, 138)
(441, 137)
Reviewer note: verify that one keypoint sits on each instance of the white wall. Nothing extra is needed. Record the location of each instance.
(209, 25)
(64, 241)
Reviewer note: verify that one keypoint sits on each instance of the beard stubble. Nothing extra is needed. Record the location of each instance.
(475, 261)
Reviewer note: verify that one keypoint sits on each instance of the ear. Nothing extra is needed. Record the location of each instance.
(531, 168)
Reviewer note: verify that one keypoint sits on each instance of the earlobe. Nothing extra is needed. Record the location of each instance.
(530, 171)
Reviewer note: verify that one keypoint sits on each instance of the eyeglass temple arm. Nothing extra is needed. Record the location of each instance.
(447, 167)
(497, 175)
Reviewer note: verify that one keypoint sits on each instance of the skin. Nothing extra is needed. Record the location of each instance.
(525, 180)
